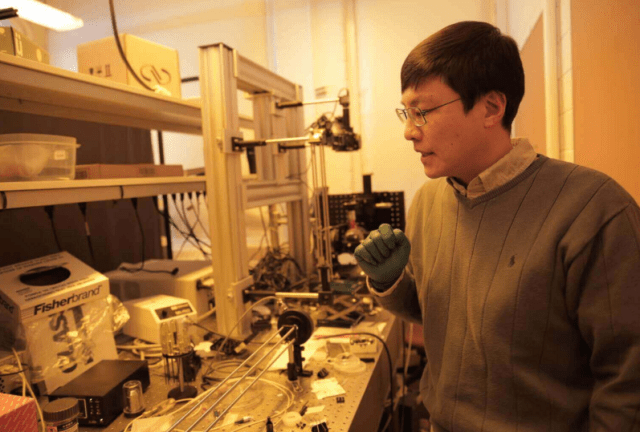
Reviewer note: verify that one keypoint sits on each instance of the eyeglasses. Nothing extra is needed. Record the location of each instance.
(417, 115)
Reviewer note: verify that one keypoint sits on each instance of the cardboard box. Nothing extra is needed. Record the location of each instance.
(154, 64)
(37, 288)
(104, 171)
(15, 43)
(17, 414)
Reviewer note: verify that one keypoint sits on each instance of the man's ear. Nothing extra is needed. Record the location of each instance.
(495, 103)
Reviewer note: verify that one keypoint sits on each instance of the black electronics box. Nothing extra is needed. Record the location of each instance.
(99, 389)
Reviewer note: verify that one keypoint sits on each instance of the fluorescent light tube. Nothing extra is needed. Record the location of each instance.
(45, 15)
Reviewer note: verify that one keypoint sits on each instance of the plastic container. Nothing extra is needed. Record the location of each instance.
(26, 157)
(61, 415)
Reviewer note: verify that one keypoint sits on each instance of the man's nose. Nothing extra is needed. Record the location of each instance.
(411, 131)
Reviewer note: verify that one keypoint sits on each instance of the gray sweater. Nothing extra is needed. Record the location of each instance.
(530, 300)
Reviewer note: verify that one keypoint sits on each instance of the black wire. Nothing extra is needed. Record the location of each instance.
(185, 221)
(49, 211)
(191, 227)
(205, 328)
(14, 373)
(83, 209)
(404, 377)
(197, 213)
(386, 348)
(169, 219)
(120, 50)
(134, 202)
(188, 236)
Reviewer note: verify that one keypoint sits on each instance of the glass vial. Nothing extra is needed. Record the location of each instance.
(133, 398)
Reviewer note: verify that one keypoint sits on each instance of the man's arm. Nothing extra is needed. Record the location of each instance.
(607, 272)
(401, 298)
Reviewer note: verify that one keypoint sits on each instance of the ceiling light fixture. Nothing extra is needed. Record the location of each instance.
(42, 14)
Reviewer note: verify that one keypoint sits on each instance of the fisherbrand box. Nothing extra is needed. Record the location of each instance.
(34, 289)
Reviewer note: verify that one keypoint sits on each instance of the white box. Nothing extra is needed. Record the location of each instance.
(193, 281)
(34, 289)
(147, 314)
(59, 307)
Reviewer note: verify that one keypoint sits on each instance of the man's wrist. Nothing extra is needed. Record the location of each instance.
(381, 286)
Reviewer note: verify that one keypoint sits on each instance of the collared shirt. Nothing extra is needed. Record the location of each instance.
(522, 154)
(507, 168)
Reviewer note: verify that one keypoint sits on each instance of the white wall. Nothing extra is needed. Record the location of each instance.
(385, 36)
(521, 18)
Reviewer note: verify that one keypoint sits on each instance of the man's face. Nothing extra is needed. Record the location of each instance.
(451, 142)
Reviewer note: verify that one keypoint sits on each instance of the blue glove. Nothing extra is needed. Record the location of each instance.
(383, 256)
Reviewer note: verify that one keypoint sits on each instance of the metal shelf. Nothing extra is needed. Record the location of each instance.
(36, 88)
(43, 193)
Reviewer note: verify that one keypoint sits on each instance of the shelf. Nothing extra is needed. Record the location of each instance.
(36, 88)
(43, 193)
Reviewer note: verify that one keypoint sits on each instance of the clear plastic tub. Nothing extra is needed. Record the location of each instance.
(26, 157)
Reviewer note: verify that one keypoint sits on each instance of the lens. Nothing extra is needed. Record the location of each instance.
(416, 116)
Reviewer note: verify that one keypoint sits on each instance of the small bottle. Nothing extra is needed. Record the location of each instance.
(61, 415)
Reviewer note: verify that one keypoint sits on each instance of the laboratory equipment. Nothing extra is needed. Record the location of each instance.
(133, 398)
(295, 328)
(190, 280)
(149, 313)
(99, 390)
(177, 351)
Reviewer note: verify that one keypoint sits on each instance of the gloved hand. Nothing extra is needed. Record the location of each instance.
(383, 256)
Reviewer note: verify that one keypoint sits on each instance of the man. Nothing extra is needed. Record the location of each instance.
(523, 270)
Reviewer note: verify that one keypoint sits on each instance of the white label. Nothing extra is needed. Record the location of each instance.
(60, 155)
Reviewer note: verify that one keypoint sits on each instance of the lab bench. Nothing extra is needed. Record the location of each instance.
(360, 408)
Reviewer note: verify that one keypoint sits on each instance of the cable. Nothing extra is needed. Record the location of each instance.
(177, 228)
(185, 221)
(186, 218)
(406, 355)
(206, 314)
(120, 50)
(25, 383)
(386, 348)
(196, 210)
(83, 210)
(287, 392)
(134, 202)
(49, 211)
(264, 227)
(262, 300)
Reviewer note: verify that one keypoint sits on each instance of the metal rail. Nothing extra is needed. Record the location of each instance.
(283, 340)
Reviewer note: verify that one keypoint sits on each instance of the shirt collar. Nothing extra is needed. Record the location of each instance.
(508, 167)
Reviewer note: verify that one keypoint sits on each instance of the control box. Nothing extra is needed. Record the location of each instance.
(147, 315)
(190, 280)
(99, 389)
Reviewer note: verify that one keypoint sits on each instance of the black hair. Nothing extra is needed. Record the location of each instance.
(473, 58)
